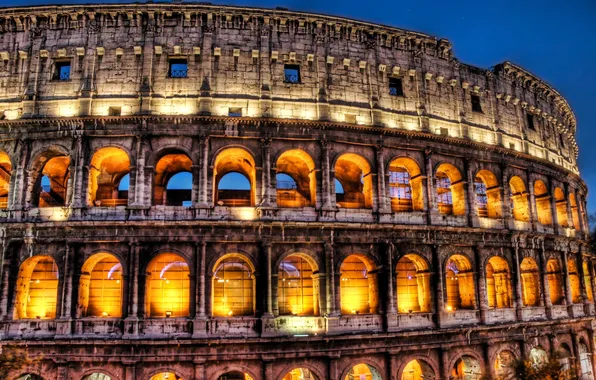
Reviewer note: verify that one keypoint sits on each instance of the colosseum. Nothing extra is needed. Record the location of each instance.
(191, 191)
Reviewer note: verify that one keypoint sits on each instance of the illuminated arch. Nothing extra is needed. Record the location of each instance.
(466, 368)
(543, 207)
(504, 365)
(234, 160)
(488, 194)
(297, 290)
(100, 287)
(588, 281)
(168, 166)
(166, 376)
(498, 283)
(530, 282)
(358, 286)
(235, 375)
(300, 374)
(459, 280)
(51, 169)
(405, 185)
(29, 376)
(413, 285)
(538, 357)
(108, 166)
(574, 211)
(167, 286)
(418, 370)
(354, 174)
(5, 175)
(233, 286)
(451, 198)
(561, 205)
(574, 285)
(363, 371)
(300, 167)
(564, 356)
(37, 289)
(554, 276)
(585, 361)
(97, 376)
(519, 199)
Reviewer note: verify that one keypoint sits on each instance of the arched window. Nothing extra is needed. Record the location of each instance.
(29, 376)
(295, 179)
(297, 290)
(235, 376)
(554, 276)
(459, 280)
(358, 286)
(588, 282)
(172, 185)
(498, 283)
(418, 370)
(5, 174)
(576, 295)
(100, 287)
(564, 357)
(166, 376)
(354, 174)
(538, 357)
(97, 376)
(108, 166)
(405, 185)
(233, 287)
(530, 282)
(466, 368)
(37, 289)
(450, 190)
(53, 182)
(542, 203)
(168, 286)
(234, 178)
(574, 211)
(300, 374)
(585, 362)
(561, 205)
(504, 365)
(519, 198)
(364, 372)
(488, 195)
(413, 285)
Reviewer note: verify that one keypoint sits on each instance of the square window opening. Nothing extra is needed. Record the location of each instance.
(291, 74)
(395, 87)
(530, 119)
(62, 71)
(114, 111)
(178, 68)
(476, 107)
(444, 131)
(235, 111)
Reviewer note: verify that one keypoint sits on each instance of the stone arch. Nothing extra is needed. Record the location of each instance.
(235, 368)
(467, 366)
(554, 275)
(170, 163)
(459, 283)
(574, 212)
(307, 372)
(37, 288)
(561, 206)
(167, 286)
(520, 206)
(588, 281)
(488, 194)
(108, 165)
(585, 360)
(48, 184)
(363, 369)
(234, 159)
(405, 185)
(165, 374)
(88, 374)
(299, 165)
(310, 256)
(5, 178)
(413, 284)
(543, 208)
(503, 364)
(574, 281)
(451, 199)
(354, 173)
(498, 282)
(530, 282)
(233, 286)
(297, 285)
(564, 355)
(538, 356)
(101, 286)
(29, 376)
(418, 367)
(359, 293)
(158, 152)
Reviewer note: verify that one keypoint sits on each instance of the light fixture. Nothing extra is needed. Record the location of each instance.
(104, 314)
(168, 314)
(230, 313)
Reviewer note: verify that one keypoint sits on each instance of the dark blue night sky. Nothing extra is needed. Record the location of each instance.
(555, 40)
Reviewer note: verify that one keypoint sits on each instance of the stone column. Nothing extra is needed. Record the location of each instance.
(506, 198)
(431, 196)
(132, 320)
(130, 369)
(204, 170)
(326, 196)
(471, 207)
(331, 286)
(592, 347)
(568, 296)
(570, 222)
(266, 175)
(545, 300)
(269, 301)
(439, 285)
(577, 361)
(79, 192)
(582, 226)
(333, 370)
(582, 282)
(553, 206)
(139, 189)
(4, 284)
(383, 204)
(18, 197)
(444, 364)
(519, 297)
(202, 275)
(532, 200)
(481, 278)
(199, 368)
(64, 325)
(196, 184)
(391, 297)
(147, 196)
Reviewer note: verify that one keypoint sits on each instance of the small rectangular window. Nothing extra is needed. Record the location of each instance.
(444, 131)
(178, 68)
(511, 145)
(115, 111)
(291, 74)
(530, 119)
(235, 112)
(62, 70)
(476, 107)
(395, 87)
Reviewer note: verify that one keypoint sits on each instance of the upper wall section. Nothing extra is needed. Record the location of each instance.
(120, 59)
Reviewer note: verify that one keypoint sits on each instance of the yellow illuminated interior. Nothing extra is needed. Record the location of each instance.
(37, 289)
(561, 206)
(166, 376)
(504, 365)
(168, 285)
(297, 292)
(53, 193)
(405, 185)
(519, 199)
(417, 370)
(588, 282)
(354, 174)
(574, 211)
(530, 282)
(297, 164)
(300, 374)
(498, 283)
(459, 283)
(234, 160)
(358, 286)
(233, 287)
(168, 166)
(576, 296)
(450, 190)
(100, 286)
(5, 173)
(413, 285)
(466, 368)
(542, 203)
(359, 372)
(108, 166)
(235, 376)
(554, 276)
(488, 195)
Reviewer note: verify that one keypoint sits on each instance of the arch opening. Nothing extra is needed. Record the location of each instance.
(538, 357)
(235, 375)
(488, 195)
(530, 282)
(450, 190)
(520, 207)
(585, 361)
(5, 175)
(166, 376)
(101, 287)
(460, 284)
(466, 368)
(300, 374)
(295, 179)
(37, 289)
(354, 174)
(108, 167)
(405, 185)
(52, 182)
(574, 285)
(413, 285)
(235, 178)
(167, 287)
(542, 203)
(574, 212)
(97, 376)
(29, 376)
(418, 370)
(561, 206)
(554, 276)
(363, 372)
(504, 365)
(298, 288)
(564, 356)
(172, 185)
(358, 286)
(233, 287)
(588, 282)
(498, 283)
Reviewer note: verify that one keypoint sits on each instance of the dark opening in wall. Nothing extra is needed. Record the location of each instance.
(178, 68)
(395, 87)
(530, 119)
(235, 111)
(62, 71)
(291, 73)
(562, 141)
(476, 107)
(115, 111)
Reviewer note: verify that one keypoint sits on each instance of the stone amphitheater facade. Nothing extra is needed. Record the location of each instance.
(402, 215)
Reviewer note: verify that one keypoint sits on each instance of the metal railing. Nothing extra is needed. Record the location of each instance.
(291, 78)
(178, 73)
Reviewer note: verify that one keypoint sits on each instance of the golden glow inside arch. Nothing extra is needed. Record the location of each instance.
(498, 283)
(418, 370)
(37, 289)
(51, 191)
(166, 376)
(354, 174)
(504, 365)
(108, 166)
(168, 166)
(97, 376)
(101, 287)
(405, 185)
(574, 285)
(451, 198)
(300, 166)
(168, 287)
(561, 206)
(363, 372)
(466, 368)
(530, 282)
(488, 194)
(588, 281)
(297, 290)
(554, 276)
(519, 199)
(235, 376)
(300, 374)
(236, 160)
(459, 282)
(5, 175)
(358, 286)
(233, 287)
(574, 211)
(542, 203)
(413, 285)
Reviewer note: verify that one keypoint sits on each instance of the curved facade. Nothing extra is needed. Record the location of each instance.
(200, 192)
